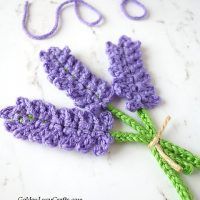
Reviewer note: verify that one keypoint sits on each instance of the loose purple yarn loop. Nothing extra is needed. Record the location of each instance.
(77, 11)
(77, 3)
(124, 9)
(66, 128)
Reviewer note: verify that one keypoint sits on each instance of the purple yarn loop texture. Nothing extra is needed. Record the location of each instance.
(65, 128)
(77, 4)
(124, 9)
(67, 73)
(131, 80)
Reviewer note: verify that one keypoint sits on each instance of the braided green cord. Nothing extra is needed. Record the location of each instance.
(146, 133)
(128, 137)
(144, 116)
(182, 153)
(150, 128)
(171, 173)
(126, 119)
(188, 165)
(172, 150)
(182, 190)
(175, 178)
(177, 151)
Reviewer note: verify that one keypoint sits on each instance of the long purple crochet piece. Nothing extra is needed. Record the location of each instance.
(66, 128)
(131, 80)
(70, 75)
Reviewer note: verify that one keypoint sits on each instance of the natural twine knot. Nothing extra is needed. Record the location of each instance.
(155, 143)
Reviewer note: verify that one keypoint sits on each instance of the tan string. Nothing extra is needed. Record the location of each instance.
(155, 143)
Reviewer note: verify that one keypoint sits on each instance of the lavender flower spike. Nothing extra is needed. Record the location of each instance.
(70, 75)
(131, 80)
(66, 128)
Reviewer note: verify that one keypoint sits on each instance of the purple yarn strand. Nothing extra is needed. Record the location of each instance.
(57, 16)
(52, 31)
(68, 129)
(94, 23)
(124, 9)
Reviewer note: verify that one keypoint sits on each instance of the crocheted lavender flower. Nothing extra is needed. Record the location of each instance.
(131, 80)
(66, 128)
(70, 75)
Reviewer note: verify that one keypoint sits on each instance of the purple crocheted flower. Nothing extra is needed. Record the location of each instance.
(70, 75)
(66, 128)
(131, 80)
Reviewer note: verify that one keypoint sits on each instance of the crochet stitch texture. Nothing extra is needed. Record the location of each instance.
(131, 80)
(66, 128)
(70, 75)
(90, 128)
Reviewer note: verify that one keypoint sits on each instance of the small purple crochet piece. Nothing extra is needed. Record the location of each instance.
(70, 75)
(66, 128)
(131, 80)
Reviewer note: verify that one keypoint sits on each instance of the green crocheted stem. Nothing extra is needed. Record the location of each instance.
(187, 167)
(175, 178)
(124, 137)
(149, 125)
(175, 152)
(145, 134)
(187, 160)
(182, 153)
(183, 157)
(126, 119)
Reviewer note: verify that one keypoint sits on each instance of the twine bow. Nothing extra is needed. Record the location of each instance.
(155, 143)
(171, 158)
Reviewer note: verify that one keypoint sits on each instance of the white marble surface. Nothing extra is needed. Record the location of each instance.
(171, 46)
